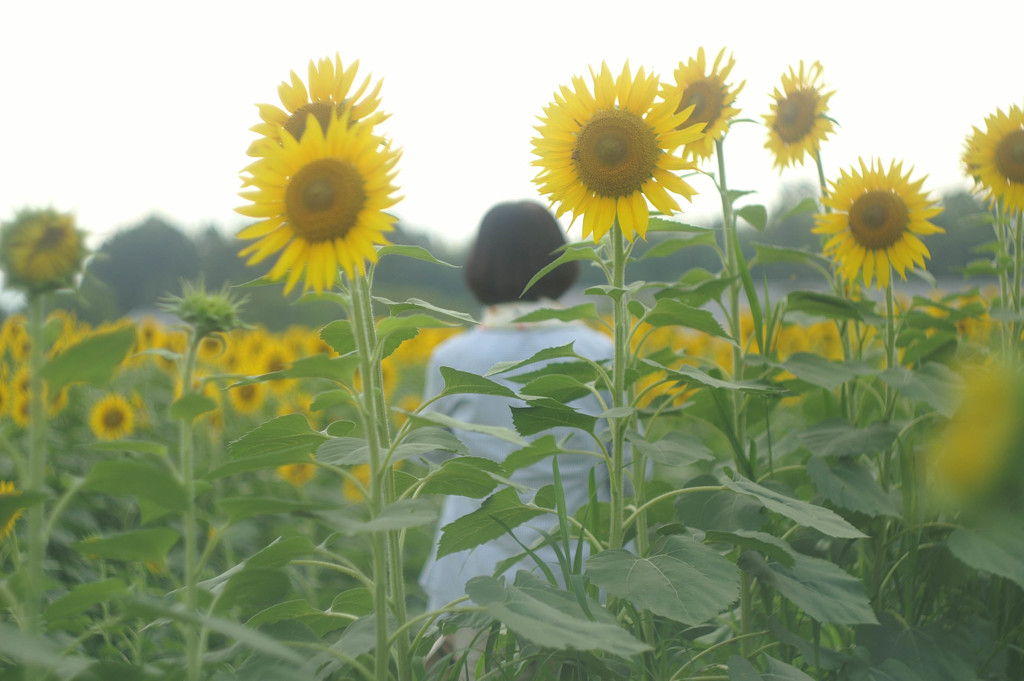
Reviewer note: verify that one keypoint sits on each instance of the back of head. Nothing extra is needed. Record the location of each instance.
(514, 242)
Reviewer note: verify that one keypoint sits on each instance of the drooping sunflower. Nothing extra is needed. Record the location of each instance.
(604, 155)
(877, 219)
(112, 418)
(711, 97)
(8, 513)
(41, 250)
(995, 157)
(798, 124)
(320, 202)
(328, 96)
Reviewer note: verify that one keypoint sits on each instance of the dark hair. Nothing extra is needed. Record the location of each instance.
(515, 241)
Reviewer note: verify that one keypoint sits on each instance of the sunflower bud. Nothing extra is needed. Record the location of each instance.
(206, 312)
(41, 250)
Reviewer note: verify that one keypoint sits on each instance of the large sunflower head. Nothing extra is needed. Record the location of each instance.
(798, 124)
(604, 155)
(877, 218)
(112, 418)
(41, 250)
(329, 94)
(994, 157)
(710, 96)
(320, 202)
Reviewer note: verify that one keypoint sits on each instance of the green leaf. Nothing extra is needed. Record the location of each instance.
(802, 513)
(768, 254)
(93, 360)
(830, 307)
(823, 590)
(38, 651)
(465, 476)
(142, 480)
(261, 643)
(148, 545)
(253, 589)
(670, 312)
(358, 602)
(548, 625)
(300, 610)
(767, 544)
(138, 446)
(675, 448)
(400, 515)
(240, 508)
(935, 384)
(282, 440)
(462, 382)
(755, 214)
(561, 351)
(819, 371)
(409, 251)
(849, 484)
(11, 504)
(344, 451)
(566, 314)
(338, 334)
(836, 437)
(544, 414)
(191, 405)
(998, 553)
(718, 510)
(741, 670)
(413, 322)
(692, 375)
(560, 387)
(446, 421)
(538, 450)
(581, 250)
(83, 597)
(666, 224)
(499, 511)
(666, 247)
(425, 440)
(397, 308)
(682, 580)
(806, 205)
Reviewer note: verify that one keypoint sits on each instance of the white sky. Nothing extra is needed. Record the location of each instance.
(119, 110)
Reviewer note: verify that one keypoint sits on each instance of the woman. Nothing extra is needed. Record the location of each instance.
(514, 242)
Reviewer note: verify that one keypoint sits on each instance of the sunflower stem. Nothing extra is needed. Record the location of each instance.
(34, 568)
(620, 320)
(193, 633)
(1018, 264)
(387, 573)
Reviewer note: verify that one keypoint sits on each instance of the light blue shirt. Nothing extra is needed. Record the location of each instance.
(476, 351)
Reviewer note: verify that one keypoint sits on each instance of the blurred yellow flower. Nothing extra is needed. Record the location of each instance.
(7, 489)
(297, 474)
(41, 250)
(603, 156)
(797, 124)
(354, 488)
(112, 418)
(877, 216)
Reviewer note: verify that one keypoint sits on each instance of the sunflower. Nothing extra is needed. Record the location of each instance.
(604, 155)
(8, 515)
(297, 474)
(877, 217)
(247, 398)
(320, 202)
(797, 124)
(112, 418)
(995, 157)
(710, 96)
(328, 96)
(41, 250)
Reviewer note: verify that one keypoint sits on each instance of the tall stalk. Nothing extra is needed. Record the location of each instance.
(620, 322)
(193, 632)
(36, 483)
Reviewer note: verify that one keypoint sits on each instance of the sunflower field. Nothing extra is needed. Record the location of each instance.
(821, 484)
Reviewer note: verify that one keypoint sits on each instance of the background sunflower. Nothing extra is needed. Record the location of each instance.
(877, 217)
(112, 418)
(797, 124)
(995, 157)
(603, 156)
(710, 96)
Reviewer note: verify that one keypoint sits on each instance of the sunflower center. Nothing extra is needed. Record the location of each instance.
(1010, 156)
(795, 116)
(878, 219)
(324, 199)
(52, 236)
(706, 100)
(113, 418)
(615, 153)
(296, 124)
